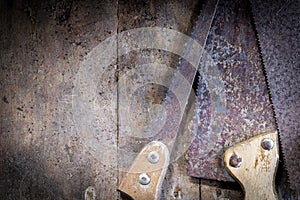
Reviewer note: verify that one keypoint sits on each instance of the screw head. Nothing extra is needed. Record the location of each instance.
(144, 179)
(235, 161)
(153, 157)
(267, 144)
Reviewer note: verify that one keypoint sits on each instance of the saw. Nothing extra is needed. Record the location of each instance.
(233, 104)
(145, 176)
(232, 99)
(278, 25)
(235, 129)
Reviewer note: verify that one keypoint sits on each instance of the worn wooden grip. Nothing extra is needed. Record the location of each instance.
(254, 163)
(146, 174)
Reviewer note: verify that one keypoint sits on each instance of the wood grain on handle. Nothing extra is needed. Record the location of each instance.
(155, 171)
(254, 163)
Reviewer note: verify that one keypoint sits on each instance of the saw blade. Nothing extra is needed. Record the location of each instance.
(278, 25)
(187, 71)
(232, 99)
(173, 117)
(179, 92)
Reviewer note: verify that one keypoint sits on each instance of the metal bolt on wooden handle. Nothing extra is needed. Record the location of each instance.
(257, 167)
(146, 174)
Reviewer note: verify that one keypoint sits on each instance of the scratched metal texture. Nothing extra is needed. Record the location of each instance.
(232, 99)
(278, 25)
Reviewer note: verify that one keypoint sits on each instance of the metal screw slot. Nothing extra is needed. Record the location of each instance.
(153, 157)
(235, 161)
(144, 179)
(267, 144)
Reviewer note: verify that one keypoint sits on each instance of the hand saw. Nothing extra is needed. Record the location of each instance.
(145, 176)
(278, 25)
(233, 106)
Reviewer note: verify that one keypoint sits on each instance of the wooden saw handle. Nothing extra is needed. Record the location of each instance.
(146, 174)
(254, 163)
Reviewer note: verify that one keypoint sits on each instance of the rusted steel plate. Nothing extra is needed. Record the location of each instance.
(278, 24)
(232, 100)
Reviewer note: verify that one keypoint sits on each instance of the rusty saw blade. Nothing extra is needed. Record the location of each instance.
(278, 25)
(179, 94)
(232, 99)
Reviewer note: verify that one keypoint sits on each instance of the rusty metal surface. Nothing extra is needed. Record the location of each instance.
(177, 15)
(232, 100)
(175, 103)
(167, 124)
(278, 24)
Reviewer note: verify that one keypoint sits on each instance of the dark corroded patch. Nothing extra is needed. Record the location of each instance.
(278, 25)
(232, 100)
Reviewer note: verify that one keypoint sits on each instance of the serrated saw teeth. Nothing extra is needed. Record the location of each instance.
(281, 64)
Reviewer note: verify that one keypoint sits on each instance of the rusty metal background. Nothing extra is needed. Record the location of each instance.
(278, 25)
(232, 99)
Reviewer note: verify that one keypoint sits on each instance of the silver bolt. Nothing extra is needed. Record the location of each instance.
(235, 161)
(153, 157)
(267, 144)
(144, 179)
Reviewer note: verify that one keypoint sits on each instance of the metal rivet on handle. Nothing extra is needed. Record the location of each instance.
(90, 193)
(153, 157)
(235, 161)
(144, 179)
(267, 144)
